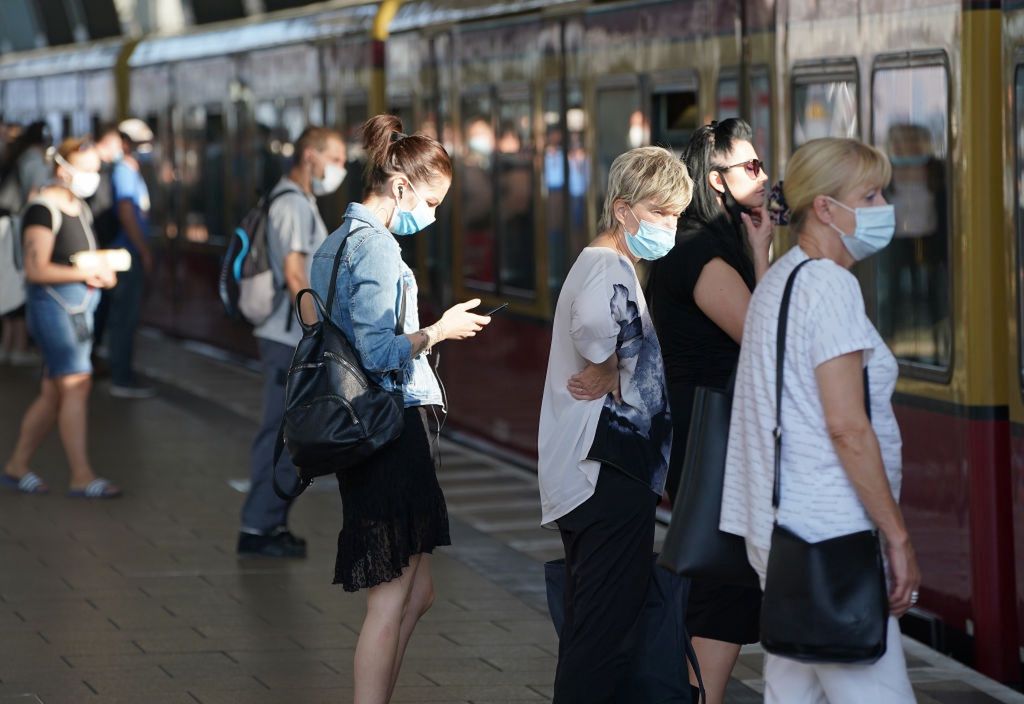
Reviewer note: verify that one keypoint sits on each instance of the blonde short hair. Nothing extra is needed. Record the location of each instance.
(831, 166)
(646, 173)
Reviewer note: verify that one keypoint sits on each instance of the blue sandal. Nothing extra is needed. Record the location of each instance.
(29, 483)
(96, 489)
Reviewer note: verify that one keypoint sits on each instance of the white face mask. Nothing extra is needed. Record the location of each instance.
(333, 176)
(84, 184)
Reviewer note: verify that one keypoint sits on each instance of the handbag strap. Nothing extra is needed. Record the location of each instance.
(780, 355)
(333, 289)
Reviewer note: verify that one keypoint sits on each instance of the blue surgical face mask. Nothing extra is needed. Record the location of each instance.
(873, 232)
(409, 222)
(650, 241)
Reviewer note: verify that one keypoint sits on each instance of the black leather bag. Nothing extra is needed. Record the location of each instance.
(335, 416)
(694, 546)
(824, 602)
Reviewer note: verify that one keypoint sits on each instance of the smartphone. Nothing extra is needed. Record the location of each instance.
(497, 310)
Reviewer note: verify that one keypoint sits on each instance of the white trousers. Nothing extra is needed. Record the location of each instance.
(789, 681)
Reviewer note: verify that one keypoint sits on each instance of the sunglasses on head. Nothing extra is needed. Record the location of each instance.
(753, 167)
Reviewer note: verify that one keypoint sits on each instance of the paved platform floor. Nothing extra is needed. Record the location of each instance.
(143, 600)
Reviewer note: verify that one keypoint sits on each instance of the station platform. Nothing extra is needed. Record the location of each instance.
(143, 600)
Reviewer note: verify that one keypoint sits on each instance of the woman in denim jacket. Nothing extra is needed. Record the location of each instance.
(394, 511)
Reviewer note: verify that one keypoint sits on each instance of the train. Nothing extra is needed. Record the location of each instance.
(534, 99)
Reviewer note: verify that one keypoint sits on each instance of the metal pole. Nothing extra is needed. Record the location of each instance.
(378, 55)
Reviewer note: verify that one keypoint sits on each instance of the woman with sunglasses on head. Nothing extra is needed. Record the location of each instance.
(699, 295)
(60, 300)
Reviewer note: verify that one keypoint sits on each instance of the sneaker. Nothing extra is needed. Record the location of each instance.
(279, 544)
(133, 390)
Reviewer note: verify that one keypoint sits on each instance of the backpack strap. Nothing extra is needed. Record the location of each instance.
(56, 217)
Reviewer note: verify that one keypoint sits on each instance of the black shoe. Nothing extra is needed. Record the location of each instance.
(279, 544)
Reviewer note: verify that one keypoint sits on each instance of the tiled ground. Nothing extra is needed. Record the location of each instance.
(142, 600)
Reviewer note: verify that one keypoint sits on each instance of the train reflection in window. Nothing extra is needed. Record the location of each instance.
(824, 109)
(477, 189)
(910, 117)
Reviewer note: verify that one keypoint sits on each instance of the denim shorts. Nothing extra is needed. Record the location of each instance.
(59, 317)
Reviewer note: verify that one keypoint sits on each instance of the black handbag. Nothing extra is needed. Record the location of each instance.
(335, 416)
(824, 602)
(694, 546)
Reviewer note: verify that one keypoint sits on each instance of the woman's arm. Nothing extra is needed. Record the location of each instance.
(40, 270)
(841, 387)
(722, 295)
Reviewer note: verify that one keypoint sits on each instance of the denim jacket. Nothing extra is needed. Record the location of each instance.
(367, 301)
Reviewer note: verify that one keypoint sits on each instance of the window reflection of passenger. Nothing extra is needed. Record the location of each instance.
(477, 200)
(914, 268)
(515, 200)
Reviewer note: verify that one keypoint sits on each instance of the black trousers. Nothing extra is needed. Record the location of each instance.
(608, 544)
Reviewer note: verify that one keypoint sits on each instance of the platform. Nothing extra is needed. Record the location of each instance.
(143, 599)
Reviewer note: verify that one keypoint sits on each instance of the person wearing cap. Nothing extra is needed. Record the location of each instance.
(132, 207)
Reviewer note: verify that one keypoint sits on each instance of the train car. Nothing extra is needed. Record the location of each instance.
(535, 99)
(920, 80)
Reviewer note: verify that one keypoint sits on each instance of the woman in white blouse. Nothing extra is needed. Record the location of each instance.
(605, 431)
(841, 469)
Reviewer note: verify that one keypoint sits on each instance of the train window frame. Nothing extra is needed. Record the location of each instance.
(822, 71)
(935, 58)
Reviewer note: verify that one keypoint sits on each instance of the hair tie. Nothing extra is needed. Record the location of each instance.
(398, 137)
(778, 208)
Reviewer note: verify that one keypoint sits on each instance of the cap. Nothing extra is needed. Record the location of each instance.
(136, 130)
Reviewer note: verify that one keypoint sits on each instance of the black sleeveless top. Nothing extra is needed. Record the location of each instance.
(70, 239)
(696, 351)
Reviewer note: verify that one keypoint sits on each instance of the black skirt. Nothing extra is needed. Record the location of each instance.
(393, 509)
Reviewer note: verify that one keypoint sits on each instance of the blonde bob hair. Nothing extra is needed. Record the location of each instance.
(831, 166)
(646, 173)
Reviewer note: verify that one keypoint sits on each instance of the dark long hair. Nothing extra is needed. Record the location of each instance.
(707, 150)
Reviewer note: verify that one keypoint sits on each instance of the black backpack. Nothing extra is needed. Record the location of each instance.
(247, 286)
(335, 416)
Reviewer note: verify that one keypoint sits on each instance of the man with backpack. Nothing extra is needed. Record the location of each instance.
(294, 231)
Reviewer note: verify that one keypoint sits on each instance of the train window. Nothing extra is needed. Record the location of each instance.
(826, 107)
(515, 151)
(204, 174)
(566, 171)
(622, 126)
(728, 99)
(674, 116)
(355, 114)
(477, 192)
(760, 109)
(910, 115)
